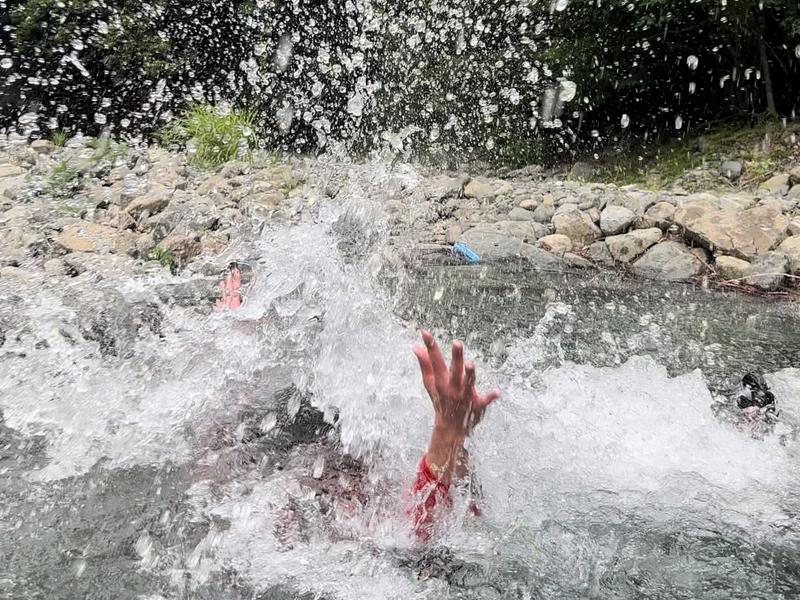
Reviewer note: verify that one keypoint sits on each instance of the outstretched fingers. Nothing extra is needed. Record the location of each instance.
(486, 400)
(426, 367)
(457, 365)
(437, 361)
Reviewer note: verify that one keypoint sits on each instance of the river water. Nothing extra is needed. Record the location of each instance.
(176, 452)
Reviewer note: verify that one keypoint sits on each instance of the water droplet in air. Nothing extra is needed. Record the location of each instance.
(100, 118)
(692, 87)
(77, 44)
(678, 122)
(355, 106)
(797, 51)
(28, 118)
(692, 61)
(561, 5)
(7, 63)
(319, 467)
(625, 121)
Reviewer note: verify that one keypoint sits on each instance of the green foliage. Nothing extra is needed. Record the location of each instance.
(763, 148)
(106, 152)
(211, 136)
(59, 139)
(63, 181)
(162, 257)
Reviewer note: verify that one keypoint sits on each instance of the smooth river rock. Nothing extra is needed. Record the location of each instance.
(616, 219)
(556, 243)
(498, 247)
(669, 261)
(578, 227)
(791, 248)
(730, 268)
(768, 270)
(627, 247)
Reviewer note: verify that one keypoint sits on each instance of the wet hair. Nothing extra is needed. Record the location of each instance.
(757, 393)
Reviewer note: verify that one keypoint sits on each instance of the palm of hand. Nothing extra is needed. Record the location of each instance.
(456, 401)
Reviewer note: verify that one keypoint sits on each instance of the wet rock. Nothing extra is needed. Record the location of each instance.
(262, 204)
(479, 188)
(8, 170)
(44, 147)
(200, 291)
(566, 207)
(636, 201)
(616, 219)
(105, 316)
(452, 234)
(659, 215)
(85, 236)
(768, 270)
(777, 184)
(443, 186)
(627, 247)
(556, 243)
(182, 247)
(581, 171)
(525, 231)
(155, 200)
(731, 268)
(742, 233)
(578, 227)
(731, 169)
(497, 247)
(599, 253)
(213, 243)
(791, 248)
(55, 267)
(520, 214)
(669, 261)
(544, 213)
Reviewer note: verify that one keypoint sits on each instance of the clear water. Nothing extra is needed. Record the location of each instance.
(154, 456)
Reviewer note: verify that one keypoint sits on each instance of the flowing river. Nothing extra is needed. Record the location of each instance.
(264, 453)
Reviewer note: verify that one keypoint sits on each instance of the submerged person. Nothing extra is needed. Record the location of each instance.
(457, 406)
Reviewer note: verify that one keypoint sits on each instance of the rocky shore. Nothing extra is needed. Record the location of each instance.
(96, 207)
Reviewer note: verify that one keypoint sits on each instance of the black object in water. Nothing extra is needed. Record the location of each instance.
(759, 393)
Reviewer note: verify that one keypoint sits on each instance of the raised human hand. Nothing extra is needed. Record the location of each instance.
(457, 405)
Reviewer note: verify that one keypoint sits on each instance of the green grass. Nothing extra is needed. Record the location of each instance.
(212, 137)
(761, 149)
(162, 257)
(63, 180)
(59, 139)
(107, 150)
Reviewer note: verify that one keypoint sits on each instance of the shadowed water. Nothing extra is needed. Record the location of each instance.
(205, 460)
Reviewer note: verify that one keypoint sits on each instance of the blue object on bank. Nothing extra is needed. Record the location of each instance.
(465, 252)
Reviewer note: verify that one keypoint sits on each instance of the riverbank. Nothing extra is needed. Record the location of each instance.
(98, 206)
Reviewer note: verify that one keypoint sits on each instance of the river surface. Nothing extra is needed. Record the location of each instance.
(185, 459)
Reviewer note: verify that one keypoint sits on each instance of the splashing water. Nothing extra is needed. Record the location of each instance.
(170, 452)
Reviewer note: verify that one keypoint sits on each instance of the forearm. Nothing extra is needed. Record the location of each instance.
(446, 455)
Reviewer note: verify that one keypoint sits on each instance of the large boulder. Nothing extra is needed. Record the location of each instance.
(525, 231)
(768, 270)
(791, 248)
(616, 219)
(723, 228)
(498, 247)
(669, 261)
(577, 226)
(627, 247)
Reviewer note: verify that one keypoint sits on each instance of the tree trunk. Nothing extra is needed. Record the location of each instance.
(765, 72)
